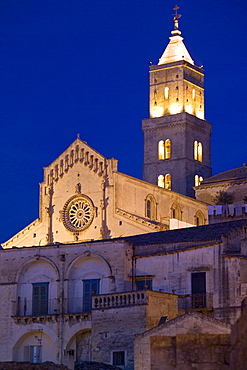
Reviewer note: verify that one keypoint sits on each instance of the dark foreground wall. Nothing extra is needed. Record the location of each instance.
(28, 366)
(238, 355)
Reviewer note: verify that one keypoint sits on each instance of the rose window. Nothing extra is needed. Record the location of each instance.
(78, 213)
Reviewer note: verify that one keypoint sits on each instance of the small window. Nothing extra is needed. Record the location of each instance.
(168, 182)
(199, 218)
(118, 358)
(161, 181)
(176, 211)
(150, 207)
(198, 180)
(197, 151)
(166, 92)
(198, 290)
(193, 94)
(143, 283)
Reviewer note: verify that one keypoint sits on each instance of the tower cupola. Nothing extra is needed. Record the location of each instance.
(175, 50)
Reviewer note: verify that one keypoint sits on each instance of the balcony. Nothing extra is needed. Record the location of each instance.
(25, 307)
(197, 301)
(79, 308)
(28, 311)
(123, 299)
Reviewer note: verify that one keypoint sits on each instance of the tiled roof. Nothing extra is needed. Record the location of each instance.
(191, 234)
(236, 173)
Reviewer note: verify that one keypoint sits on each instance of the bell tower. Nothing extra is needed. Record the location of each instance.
(176, 136)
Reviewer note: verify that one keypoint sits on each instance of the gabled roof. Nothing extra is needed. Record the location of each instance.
(212, 232)
(77, 144)
(186, 323)
(175, 50)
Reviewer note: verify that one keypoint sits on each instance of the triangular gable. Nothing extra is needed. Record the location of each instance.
(77, 146)
(78, 151)
(190, 323)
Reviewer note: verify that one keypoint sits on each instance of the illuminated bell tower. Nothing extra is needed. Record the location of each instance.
(176, 136)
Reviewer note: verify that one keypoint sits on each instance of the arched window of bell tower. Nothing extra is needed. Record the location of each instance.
(198, 180)
(161, 181)
(161, 150)
(168, 182)
(197, 151)
(164, 149)
(168, 148)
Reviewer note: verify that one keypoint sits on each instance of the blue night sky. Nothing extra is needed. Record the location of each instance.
(76, 66)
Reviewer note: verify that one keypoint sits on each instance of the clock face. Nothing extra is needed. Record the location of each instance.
(78, 213)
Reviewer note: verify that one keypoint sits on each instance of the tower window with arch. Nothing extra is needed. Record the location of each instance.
(198, 180)
(168, 182)
(161, 150)
(150, 205)
(164, 149)
(199, 218)
(167, 149)
(176, 211)
(161, 181)
(197, 151)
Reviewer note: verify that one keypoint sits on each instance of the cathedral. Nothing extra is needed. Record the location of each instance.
(113, 262)
(83, 197)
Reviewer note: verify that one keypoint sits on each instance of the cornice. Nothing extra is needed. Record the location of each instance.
(172, 125)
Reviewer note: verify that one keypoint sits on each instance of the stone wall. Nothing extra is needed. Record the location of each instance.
(183, 352)
(114, 329)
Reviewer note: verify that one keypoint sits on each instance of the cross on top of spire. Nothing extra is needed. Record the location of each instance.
(176, 17)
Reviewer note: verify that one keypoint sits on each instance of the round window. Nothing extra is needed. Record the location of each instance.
(78, 213)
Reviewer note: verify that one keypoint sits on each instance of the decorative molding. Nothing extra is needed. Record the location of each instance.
(154, 225)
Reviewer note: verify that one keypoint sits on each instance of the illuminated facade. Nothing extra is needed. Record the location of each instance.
(177, 118)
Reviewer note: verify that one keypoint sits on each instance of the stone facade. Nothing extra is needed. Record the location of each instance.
(84, 197)
(114, 326)
(178, 260)
(86, 301)
(57, 319)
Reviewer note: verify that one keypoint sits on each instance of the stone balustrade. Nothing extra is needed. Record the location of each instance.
(119, 299)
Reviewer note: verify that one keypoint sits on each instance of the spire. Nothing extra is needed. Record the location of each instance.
(175, 50)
